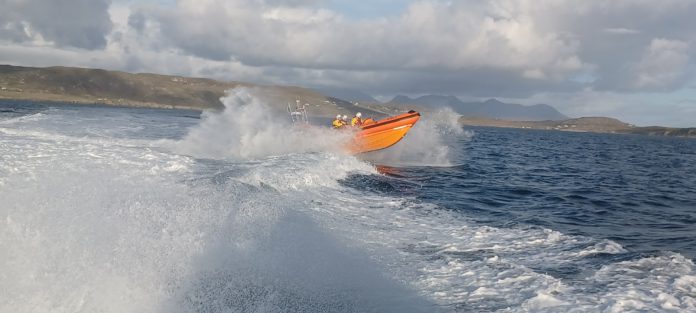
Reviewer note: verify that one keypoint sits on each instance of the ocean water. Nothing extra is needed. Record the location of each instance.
(136, 210)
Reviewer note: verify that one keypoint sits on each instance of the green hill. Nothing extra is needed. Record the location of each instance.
(96, 86)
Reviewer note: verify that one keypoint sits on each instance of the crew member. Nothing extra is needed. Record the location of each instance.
(338, 122)
(357, 120)
(345, 120)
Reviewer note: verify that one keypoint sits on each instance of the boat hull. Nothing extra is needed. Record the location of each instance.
(383, 133)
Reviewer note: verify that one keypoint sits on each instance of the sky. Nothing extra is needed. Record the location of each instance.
(629, 59)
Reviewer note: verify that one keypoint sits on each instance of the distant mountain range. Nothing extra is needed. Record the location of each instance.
(491, 108)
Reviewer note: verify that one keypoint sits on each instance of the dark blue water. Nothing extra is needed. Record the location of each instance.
(635, 190)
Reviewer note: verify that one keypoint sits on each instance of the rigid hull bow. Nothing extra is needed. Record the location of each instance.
(383, 133)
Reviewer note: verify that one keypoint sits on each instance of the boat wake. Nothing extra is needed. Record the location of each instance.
(239, 213)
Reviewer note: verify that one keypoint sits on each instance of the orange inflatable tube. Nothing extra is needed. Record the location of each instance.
(382, 134)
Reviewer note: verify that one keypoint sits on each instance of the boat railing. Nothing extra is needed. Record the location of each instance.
(298, 114)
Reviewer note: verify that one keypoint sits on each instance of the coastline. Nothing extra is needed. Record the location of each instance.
(602, 125)
(83, 86)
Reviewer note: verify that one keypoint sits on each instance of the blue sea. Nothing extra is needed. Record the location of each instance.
(106, 209)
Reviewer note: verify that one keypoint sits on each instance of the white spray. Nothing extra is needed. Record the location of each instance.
(248, 129)
(108, 224)
(428, 143)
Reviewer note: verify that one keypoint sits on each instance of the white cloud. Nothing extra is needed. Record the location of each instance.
(534, 74)
(547, 41)
(621, 31)
(68, 23)
(664, 62)
(428, 36)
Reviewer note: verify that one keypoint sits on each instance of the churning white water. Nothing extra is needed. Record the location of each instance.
(245, 129)
(123, 210)
(427, 144)
(99, 217)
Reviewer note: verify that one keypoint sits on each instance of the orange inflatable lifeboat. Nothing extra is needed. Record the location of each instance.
(382, 134)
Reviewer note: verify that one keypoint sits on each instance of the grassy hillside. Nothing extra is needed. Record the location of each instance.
(80, 85)
(95, 86)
